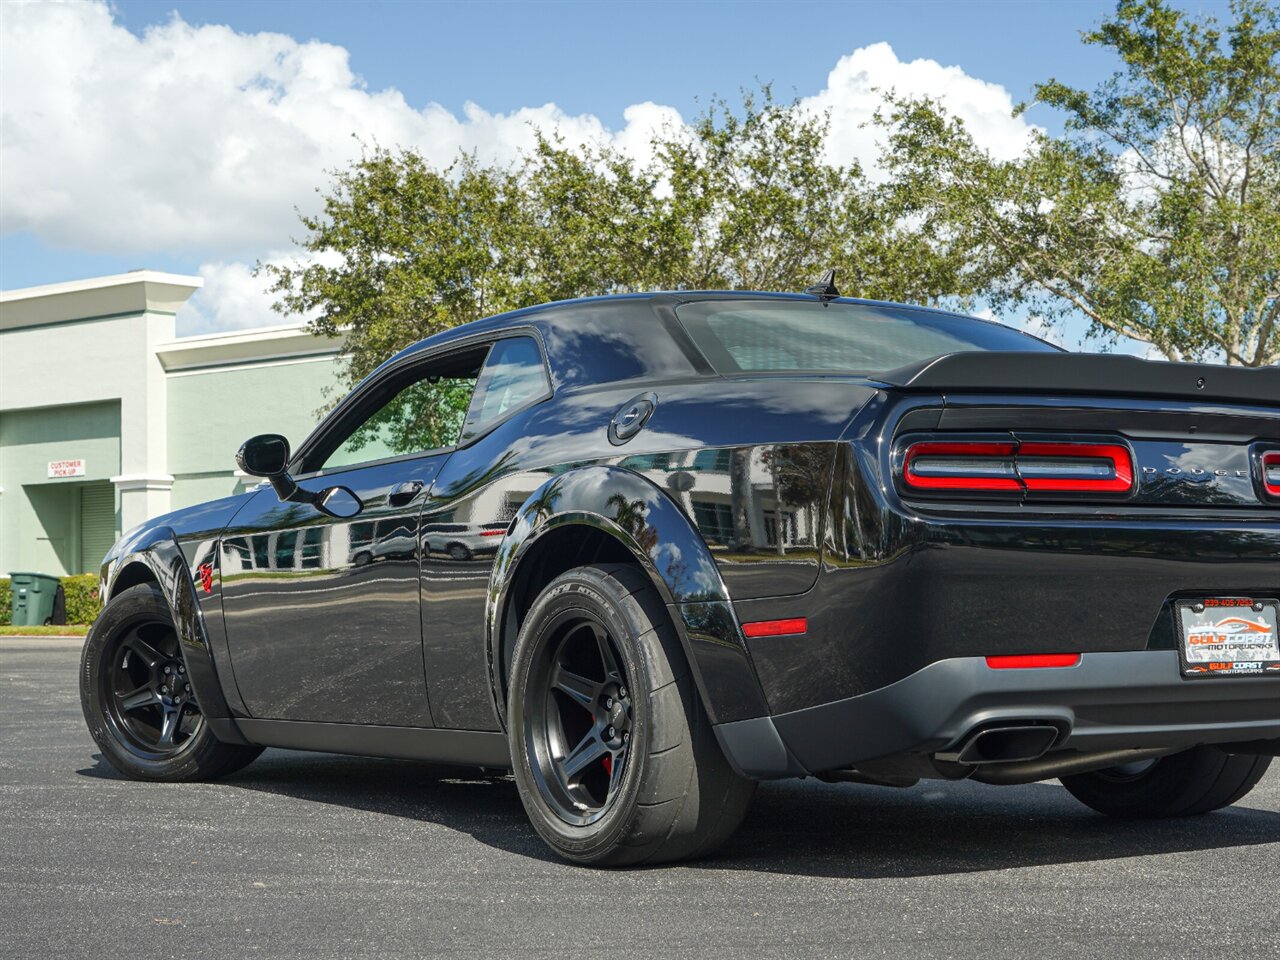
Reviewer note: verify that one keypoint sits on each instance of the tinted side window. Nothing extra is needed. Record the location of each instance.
(419, 411)
(513, 376)
(611, 340)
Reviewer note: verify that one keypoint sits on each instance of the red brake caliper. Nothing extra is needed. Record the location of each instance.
(608, 765)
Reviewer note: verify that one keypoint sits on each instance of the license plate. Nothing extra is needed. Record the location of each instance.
(1229, 637)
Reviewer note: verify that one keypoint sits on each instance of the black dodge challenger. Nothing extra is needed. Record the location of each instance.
(648, 550)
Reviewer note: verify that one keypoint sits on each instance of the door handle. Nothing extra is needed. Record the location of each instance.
(403, 493)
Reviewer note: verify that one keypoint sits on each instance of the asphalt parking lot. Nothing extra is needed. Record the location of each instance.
(322, 856)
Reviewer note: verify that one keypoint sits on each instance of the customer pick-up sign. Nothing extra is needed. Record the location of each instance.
(65, 468)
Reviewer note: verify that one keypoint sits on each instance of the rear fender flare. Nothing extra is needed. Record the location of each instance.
(661, 538)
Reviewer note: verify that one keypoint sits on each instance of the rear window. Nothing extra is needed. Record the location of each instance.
(742, 336)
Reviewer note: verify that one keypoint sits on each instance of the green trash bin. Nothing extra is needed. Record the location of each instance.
(35, 599)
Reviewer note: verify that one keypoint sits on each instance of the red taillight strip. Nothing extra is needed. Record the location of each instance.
(776, 628)
(961, 482)
(1271, 462)
(493, 533)
(1121, 463)
(1031, 465)
(1027, 661)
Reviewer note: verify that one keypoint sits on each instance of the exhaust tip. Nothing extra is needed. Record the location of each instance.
(1006, 744)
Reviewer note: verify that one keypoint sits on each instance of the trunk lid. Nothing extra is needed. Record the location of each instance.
(1200, 436)
(1092, 374)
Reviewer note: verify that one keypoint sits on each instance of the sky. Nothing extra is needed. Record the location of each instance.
(185, 136)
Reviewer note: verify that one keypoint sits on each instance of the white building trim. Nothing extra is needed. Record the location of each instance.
(124, 294)
(143, 481)
(242, 347)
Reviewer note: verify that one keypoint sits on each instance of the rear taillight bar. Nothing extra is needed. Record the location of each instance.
(962, 465)
(1071, 467)
(984, 466)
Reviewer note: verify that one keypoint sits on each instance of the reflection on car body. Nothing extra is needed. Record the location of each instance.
(382, 541)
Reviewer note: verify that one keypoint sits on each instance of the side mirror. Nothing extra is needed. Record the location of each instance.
(266, 455)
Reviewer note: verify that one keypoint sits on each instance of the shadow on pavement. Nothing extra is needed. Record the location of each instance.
(795, 827)
(935, 828)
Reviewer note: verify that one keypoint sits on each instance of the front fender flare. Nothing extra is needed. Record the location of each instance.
(158, 550)
(660, 536)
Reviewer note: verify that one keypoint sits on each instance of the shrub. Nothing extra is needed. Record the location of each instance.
(81, 593)
(82, 598)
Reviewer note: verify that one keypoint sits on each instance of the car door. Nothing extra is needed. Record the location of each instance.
(472, 503)
(323, 614)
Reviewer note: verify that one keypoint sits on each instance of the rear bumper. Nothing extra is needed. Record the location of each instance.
(1109, 701)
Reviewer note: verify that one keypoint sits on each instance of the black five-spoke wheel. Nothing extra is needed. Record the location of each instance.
(139, 701)
(580, 730)
(148, 695)
(613, 754)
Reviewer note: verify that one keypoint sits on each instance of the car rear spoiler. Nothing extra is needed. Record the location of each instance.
(1087, 373)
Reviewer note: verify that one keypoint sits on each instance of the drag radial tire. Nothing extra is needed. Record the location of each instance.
(614, 756)
(1195, 781)
(139, 706)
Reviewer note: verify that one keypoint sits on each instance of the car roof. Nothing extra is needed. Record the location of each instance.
(544, 312)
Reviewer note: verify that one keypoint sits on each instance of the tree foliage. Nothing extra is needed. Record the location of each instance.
(740, 199)
(1156, 214)
(426, 415)
(402, 251)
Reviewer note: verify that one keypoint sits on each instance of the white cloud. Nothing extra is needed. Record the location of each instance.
(857, 84)
(232, 298)
(202, 142)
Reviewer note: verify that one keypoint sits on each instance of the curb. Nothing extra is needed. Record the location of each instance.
(41, 643)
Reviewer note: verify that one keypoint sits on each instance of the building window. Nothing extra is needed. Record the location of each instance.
(362, 533)
(791, 529)
(712, 461)
(714, 520)
(238, 549)
(312, 539)
(284, 550)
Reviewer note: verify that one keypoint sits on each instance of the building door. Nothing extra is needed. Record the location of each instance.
(97, 524)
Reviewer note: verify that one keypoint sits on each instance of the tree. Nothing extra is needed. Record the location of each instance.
(1156, 214)
(403, 251)
(740, 199)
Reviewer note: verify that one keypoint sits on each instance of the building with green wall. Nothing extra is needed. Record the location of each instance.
(108, 418)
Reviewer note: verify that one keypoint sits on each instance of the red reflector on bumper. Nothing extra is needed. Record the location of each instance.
(776, 628)
(1032, 660)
